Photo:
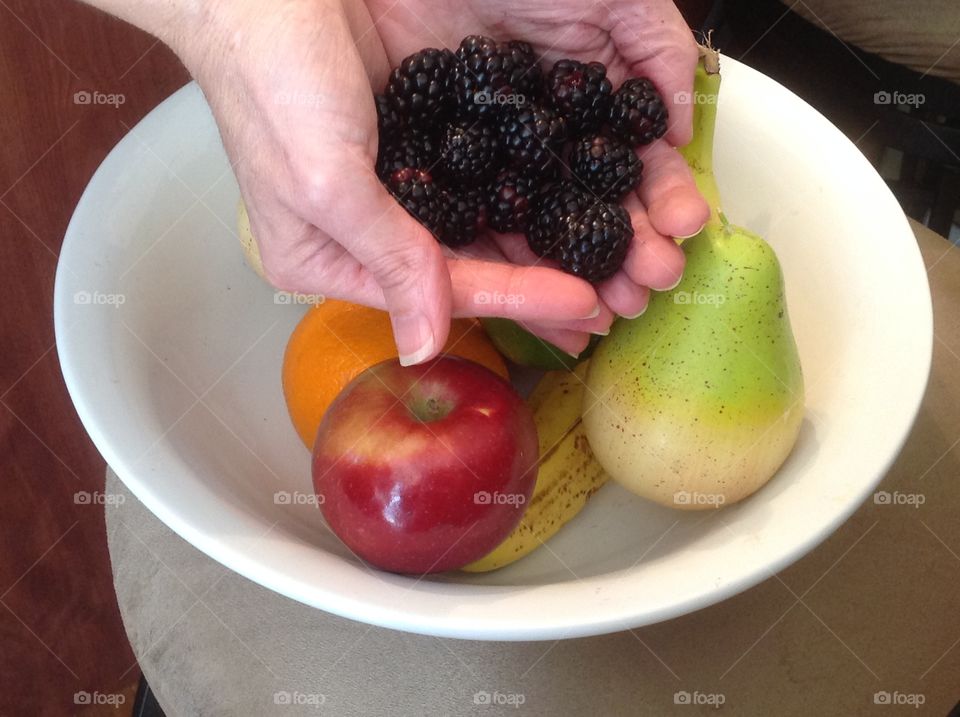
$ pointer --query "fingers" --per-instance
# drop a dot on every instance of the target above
(600, 324)
(401, 255)
(624, 296)
(571, 342)
(534, 293)
(652, 260)
(672, 73)
(669, 193)
(656, 43)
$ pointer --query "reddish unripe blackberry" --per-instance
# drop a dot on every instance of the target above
(416, 191)
(509, 201)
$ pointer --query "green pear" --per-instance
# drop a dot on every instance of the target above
(697, 403)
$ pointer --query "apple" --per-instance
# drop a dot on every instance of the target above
(425, 468)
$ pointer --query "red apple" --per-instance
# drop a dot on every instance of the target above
(425, 468)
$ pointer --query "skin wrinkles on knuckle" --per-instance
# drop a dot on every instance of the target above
(280, 277)
(403, 268)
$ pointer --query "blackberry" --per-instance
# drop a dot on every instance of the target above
(418, 88)
(533, 138)
(580, 93)
(637, 112)
(468, 152)
(416, 191)
(412, 148)
(554, 207)
(509, 201)
(607, 167)
(594, 246)
(526, 77)
(483, 76)
(389, 121)
(463, 217)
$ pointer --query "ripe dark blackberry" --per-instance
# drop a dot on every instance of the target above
(418, 87)
(468, 152)
(416, 191)
(463, 216)
(411, 148)
(482, 77)
(555, 205)
(389, 121)
(533, 138)
(608, 167)
(594, 246)
(526, 78)
(580, 93)
(509, 201)
(637, 112)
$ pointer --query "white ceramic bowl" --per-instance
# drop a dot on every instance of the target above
(171, 349)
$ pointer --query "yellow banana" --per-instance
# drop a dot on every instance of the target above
(568, 473)
(250, 251)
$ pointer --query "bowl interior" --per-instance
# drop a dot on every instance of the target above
(171, 348)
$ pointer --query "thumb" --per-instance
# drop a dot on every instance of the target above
(655, 42)
(400, 254)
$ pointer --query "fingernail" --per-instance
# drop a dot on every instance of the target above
(601, 333)
(593, 314)
(636, 316)
(675, 284)
(688, 236)
(415, 341)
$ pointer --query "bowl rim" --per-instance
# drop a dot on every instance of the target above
(549, 624)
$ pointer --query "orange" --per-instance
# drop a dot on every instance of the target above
(336, 340)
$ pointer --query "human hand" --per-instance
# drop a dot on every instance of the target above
(647, 38)
(290, 84)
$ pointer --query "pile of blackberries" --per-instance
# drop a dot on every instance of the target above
(480, 137)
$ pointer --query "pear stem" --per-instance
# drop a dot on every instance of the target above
(699, 152)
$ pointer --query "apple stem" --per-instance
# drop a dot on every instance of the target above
(429, 409)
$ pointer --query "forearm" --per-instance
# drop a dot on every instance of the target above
(168, 20)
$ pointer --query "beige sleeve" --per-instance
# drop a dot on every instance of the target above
(921, 34)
